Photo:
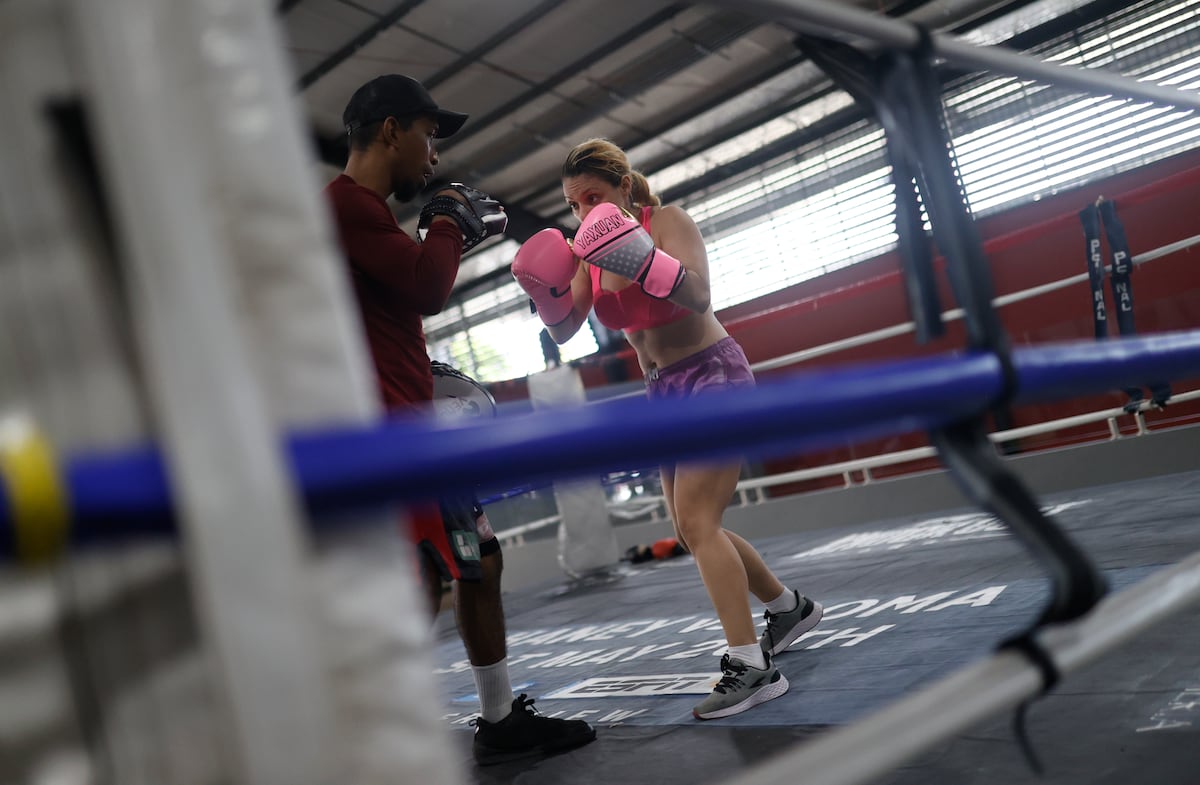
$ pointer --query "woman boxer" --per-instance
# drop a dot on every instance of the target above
(645, 271)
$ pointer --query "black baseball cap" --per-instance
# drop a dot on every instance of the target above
(394, 95)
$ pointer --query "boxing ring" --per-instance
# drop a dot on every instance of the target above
(323, 458)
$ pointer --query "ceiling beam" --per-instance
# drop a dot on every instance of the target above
(502, 36)
(634, 78)
(749, 82)
(723, 27)
(642, 28)
(538, 89)
(541, 88)
(1048, 30)
(365, 37)
(682, 152)
(1027, 39)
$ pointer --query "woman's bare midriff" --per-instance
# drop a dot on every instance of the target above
(662, 346)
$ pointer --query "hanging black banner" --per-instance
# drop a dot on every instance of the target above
(1092, 217)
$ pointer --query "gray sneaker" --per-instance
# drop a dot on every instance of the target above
(784, 628)
(741, 687)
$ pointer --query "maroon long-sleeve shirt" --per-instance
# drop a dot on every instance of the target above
(397, 281)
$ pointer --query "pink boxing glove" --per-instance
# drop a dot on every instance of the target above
(613, 240)
(544, 267)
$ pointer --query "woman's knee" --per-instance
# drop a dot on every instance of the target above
(679, 536)
(696, 531)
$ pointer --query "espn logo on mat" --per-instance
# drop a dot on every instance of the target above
(638, 686)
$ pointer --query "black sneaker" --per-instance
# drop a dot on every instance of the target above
(526, 733)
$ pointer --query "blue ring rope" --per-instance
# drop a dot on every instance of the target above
(127, 492)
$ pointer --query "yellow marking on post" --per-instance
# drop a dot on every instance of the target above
(37, 499)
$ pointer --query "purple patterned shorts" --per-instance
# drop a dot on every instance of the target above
(721, 366)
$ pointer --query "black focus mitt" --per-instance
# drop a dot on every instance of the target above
(480, 218)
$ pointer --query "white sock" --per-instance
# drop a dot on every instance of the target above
(495, 690)
(751, 654)
(786, 602)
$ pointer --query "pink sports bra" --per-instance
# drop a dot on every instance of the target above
(631, 309)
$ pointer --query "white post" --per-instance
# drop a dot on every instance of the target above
(64, 367)
(298, 312)
(201, 149)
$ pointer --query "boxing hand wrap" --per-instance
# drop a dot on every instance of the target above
(544, 266)
(613, 240)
